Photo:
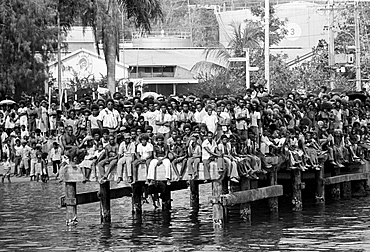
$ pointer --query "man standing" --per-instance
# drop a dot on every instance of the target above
(110, 118)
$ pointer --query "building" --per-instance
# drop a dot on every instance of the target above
(159, 62)
(83, 66)
(165, 71)
(307, 23)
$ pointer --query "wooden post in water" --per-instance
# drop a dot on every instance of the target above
(335, 188)
(346, 189)
(297, 190)
(273, 202)
(194, 194)
(71, 203)
(166, 198)
(358, 188)
(137, 192)
(320, 186)
(104, 195)
(217, 207)
(245, 208)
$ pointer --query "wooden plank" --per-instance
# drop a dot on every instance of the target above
(345, 177)
(91, 197)
(252, 195)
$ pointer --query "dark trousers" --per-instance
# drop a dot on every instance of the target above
(56, 165)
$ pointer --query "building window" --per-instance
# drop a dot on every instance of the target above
(152, 72)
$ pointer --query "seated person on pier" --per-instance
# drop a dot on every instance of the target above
(126, 154)
(111, 158)
(178, 156)
(88, 163)
(194, 156)
(224, 149)
(312, 150)
(160, 157)
(69, 142)
(144, 154)
(208, 154)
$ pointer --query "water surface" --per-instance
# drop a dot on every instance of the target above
(31, 220)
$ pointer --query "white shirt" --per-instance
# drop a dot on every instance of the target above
(110, 118)
(55, 154)
(150, 117)
(94, 121)
(211, 122)
(144, 150)
(255, 116)
(241, 112)
(163, 118)
(211, 146)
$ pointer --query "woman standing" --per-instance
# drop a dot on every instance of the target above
(44, 122)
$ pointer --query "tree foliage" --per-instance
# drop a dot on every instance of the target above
(27, 39)
(201, 22)
(249, 34)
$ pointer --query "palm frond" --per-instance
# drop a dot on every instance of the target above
(142, 12)
(208, 67)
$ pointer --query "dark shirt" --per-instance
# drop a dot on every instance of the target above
(160, 150)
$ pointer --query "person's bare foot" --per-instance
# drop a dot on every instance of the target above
(119, 179)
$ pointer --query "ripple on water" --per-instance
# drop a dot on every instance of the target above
(29, 212)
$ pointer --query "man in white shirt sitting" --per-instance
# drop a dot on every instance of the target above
(208, 152)
(144, 154)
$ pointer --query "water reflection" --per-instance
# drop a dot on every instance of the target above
(30, 220)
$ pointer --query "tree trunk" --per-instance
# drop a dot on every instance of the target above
(110, 45)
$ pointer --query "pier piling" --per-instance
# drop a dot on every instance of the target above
(194, 194)
(297, 190)
(166, 198)
(245, 208)
(137, 192)
(71, 203)
(320, 186)
(273, 202)
(219, 217)
(104, 194)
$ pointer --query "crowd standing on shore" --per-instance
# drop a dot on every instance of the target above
(241, 134)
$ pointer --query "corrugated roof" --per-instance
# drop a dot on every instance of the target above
(185, 58)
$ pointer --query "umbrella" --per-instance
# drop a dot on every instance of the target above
(357, 95)
(7, 102)
(150, 94)
(327, 105)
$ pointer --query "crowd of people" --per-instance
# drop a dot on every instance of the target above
(244, 135)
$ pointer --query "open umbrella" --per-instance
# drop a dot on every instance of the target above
(7, 102)
(356, 95)
(150, 94)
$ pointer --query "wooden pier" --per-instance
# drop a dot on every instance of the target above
(329, 182)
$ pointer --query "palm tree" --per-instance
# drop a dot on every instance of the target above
(217, 59)
(103, 16)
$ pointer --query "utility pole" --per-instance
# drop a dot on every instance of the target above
(331, 43)
(247, 73)
(60, 91)
(248, 68)
(358, 48)
(190, 24)
(267, 44)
